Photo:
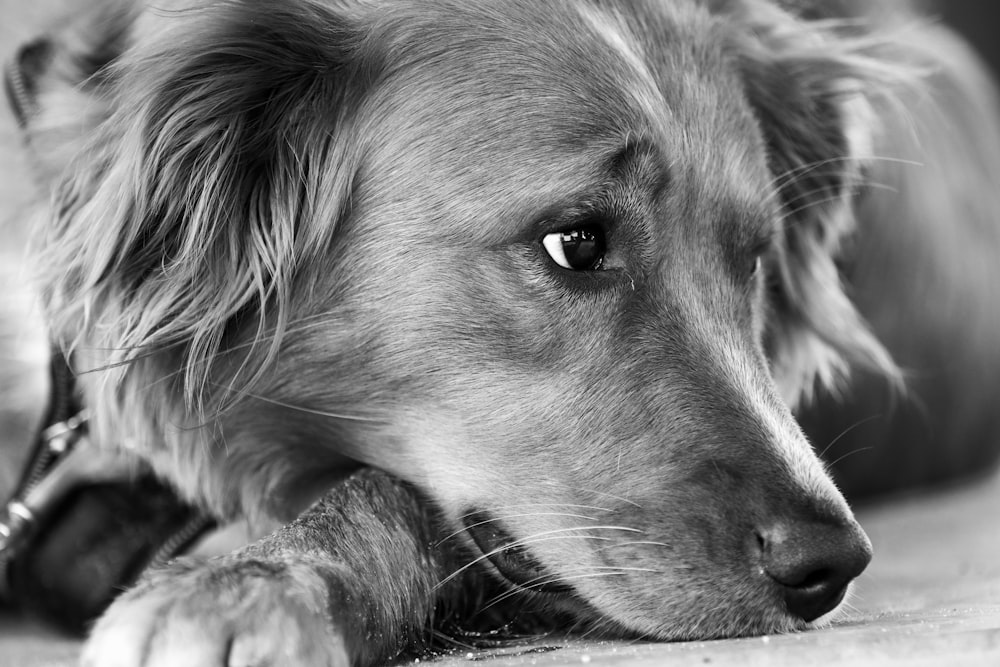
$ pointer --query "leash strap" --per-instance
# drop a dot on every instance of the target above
(20, 75)
(83, 523)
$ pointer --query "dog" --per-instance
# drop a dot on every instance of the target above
(515, 297)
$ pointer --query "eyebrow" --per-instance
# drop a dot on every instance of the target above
(635, 164)
(641, 159)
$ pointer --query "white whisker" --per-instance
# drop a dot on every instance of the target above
(538, 582)
(510, 516)
(311, 411)
(629, 544)
(597, 493)
(557, 534)
(494, 508)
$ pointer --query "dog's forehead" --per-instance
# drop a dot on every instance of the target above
(564, 66)
(536, 97)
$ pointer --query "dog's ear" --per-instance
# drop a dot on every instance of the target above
(811, 89)
(220, 172)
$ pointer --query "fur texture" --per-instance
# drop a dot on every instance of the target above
(292, 239)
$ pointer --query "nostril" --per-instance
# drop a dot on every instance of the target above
(813, 563)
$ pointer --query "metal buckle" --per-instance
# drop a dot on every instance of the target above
(64, 459)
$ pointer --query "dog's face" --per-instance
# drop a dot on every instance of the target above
(561, 265)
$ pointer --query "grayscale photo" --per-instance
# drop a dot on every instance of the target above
(625, 333)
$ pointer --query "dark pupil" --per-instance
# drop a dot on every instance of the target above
(584, 249)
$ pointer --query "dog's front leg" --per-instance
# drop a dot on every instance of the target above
(351, 582)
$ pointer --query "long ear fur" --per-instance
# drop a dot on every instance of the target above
(221, 172)
(811, 88)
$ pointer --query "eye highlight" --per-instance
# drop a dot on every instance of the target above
(580, 249)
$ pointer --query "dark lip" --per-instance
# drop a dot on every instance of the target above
(513, 561)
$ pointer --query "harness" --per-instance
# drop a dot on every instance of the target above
(83, 522)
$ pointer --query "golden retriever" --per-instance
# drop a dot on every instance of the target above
(502, 307)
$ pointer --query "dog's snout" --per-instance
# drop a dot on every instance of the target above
(813, 563)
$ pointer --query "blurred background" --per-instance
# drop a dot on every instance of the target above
(978, 20)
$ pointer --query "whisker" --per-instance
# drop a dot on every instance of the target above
(875, 185)
(789, 214)
(311, 411)
(595, 628)
(629, 544)
(846, 431)
(518, 505)
(510, 516)
(534, 539)
(806, 194)
(801, 170)
(856, 596)
(445, 638)
(853, 451)
(789, 206)
(850, 607)
(538, 582)
(549, 578)
(597, 493)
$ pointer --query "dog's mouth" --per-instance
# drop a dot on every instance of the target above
(510, 557)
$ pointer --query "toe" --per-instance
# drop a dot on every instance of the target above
(188, 641)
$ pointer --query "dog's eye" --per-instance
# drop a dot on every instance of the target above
(755, 266)
(580, 249)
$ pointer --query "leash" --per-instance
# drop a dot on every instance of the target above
(19, 79)
(83, 523)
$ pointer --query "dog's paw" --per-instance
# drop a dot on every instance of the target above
(220, 614)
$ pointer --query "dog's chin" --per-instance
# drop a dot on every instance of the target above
(835, 614)
(701, 618)
(646, 609)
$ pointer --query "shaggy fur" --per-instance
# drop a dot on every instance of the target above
(291, 239)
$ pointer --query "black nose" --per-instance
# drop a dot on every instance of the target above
(813, 563)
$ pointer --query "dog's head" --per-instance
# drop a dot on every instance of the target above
(562, 265)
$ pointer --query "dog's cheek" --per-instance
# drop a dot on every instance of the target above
(634, 470)
(491, 371)
(590, 495)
